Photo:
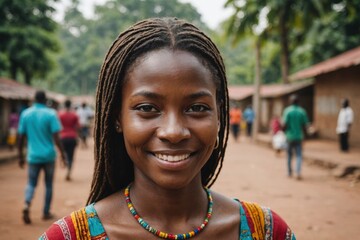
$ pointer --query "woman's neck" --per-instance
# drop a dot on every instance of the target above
(169, 205)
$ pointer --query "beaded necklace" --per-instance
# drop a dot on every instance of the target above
(165, 235)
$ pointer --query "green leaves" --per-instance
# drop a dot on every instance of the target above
(86, 41)
(306, 31)
(27, 35)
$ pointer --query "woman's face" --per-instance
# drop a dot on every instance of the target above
(169, 117)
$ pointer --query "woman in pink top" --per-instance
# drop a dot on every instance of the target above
(69, 133)
(13, 125)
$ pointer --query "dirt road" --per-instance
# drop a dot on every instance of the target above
(318, 207)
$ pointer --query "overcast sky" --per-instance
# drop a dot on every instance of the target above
(212, 11)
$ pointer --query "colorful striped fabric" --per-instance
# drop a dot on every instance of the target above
(256, 223)
(83, 224)
(260, 223)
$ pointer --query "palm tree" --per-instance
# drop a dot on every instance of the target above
(246, 22)
(283, 16)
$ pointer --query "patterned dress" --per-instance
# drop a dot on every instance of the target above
(256, 223)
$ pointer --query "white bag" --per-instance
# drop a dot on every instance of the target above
(279, 141)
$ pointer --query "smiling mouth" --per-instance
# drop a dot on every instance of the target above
(172, 158)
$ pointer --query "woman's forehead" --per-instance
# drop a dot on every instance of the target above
(170, 63)
(169, 72)
(165, 55)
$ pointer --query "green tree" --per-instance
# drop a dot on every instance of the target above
(247, 21)
(282, 15)
(239, 60)
(27, 34)
(244, 23)
(338, 30)
(85, 41)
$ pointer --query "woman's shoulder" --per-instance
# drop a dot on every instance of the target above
(81, 224)
(61, 229)
(255, 218)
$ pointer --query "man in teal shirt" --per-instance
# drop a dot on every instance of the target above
(295, 121)
(40, 125)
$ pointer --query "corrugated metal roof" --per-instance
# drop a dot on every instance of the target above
(88, 99)
(276, 90)
(344, 60)
(240, 92)
(58, 97)
(271, 90)
(10, 89)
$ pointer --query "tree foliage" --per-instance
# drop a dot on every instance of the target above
(282, 15)
(27, 33)
(30, 42)
(85, 41)
(305, 31)
(336, 32)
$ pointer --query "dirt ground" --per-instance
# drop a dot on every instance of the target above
(318, 207)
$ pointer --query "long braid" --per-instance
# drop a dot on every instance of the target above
(113, 167)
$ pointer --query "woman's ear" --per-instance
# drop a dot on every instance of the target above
(118, 127)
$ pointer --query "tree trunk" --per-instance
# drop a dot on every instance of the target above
(28, 77)
(285, 63)
(257, 84)
(13, 71)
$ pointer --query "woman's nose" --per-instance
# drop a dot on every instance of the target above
(173, 129)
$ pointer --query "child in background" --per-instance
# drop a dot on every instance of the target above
(13, 125)
(278, 136)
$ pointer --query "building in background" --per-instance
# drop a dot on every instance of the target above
(335, 79)
(273, 99)
(15, 95)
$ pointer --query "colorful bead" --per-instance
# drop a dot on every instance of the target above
(161, 234)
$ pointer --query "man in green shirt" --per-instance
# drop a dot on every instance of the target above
(295, 121)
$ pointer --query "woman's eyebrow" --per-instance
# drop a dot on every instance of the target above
(148, 94)
(155, 95)
(200, 94)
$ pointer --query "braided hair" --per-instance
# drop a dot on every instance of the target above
(114, 169)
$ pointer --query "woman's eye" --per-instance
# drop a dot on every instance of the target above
(198, 108)
(146, 108)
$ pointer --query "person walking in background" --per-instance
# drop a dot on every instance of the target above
(278, 136)
(13, 125)
(40, 125)
(70, 123)
(275, 125)
(295, 121)
(85, 114)
(249, 116)
(235, 120)
(345, 119)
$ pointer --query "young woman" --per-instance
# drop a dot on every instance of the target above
(161, 130)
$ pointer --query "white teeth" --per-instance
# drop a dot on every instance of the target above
(172, 158)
